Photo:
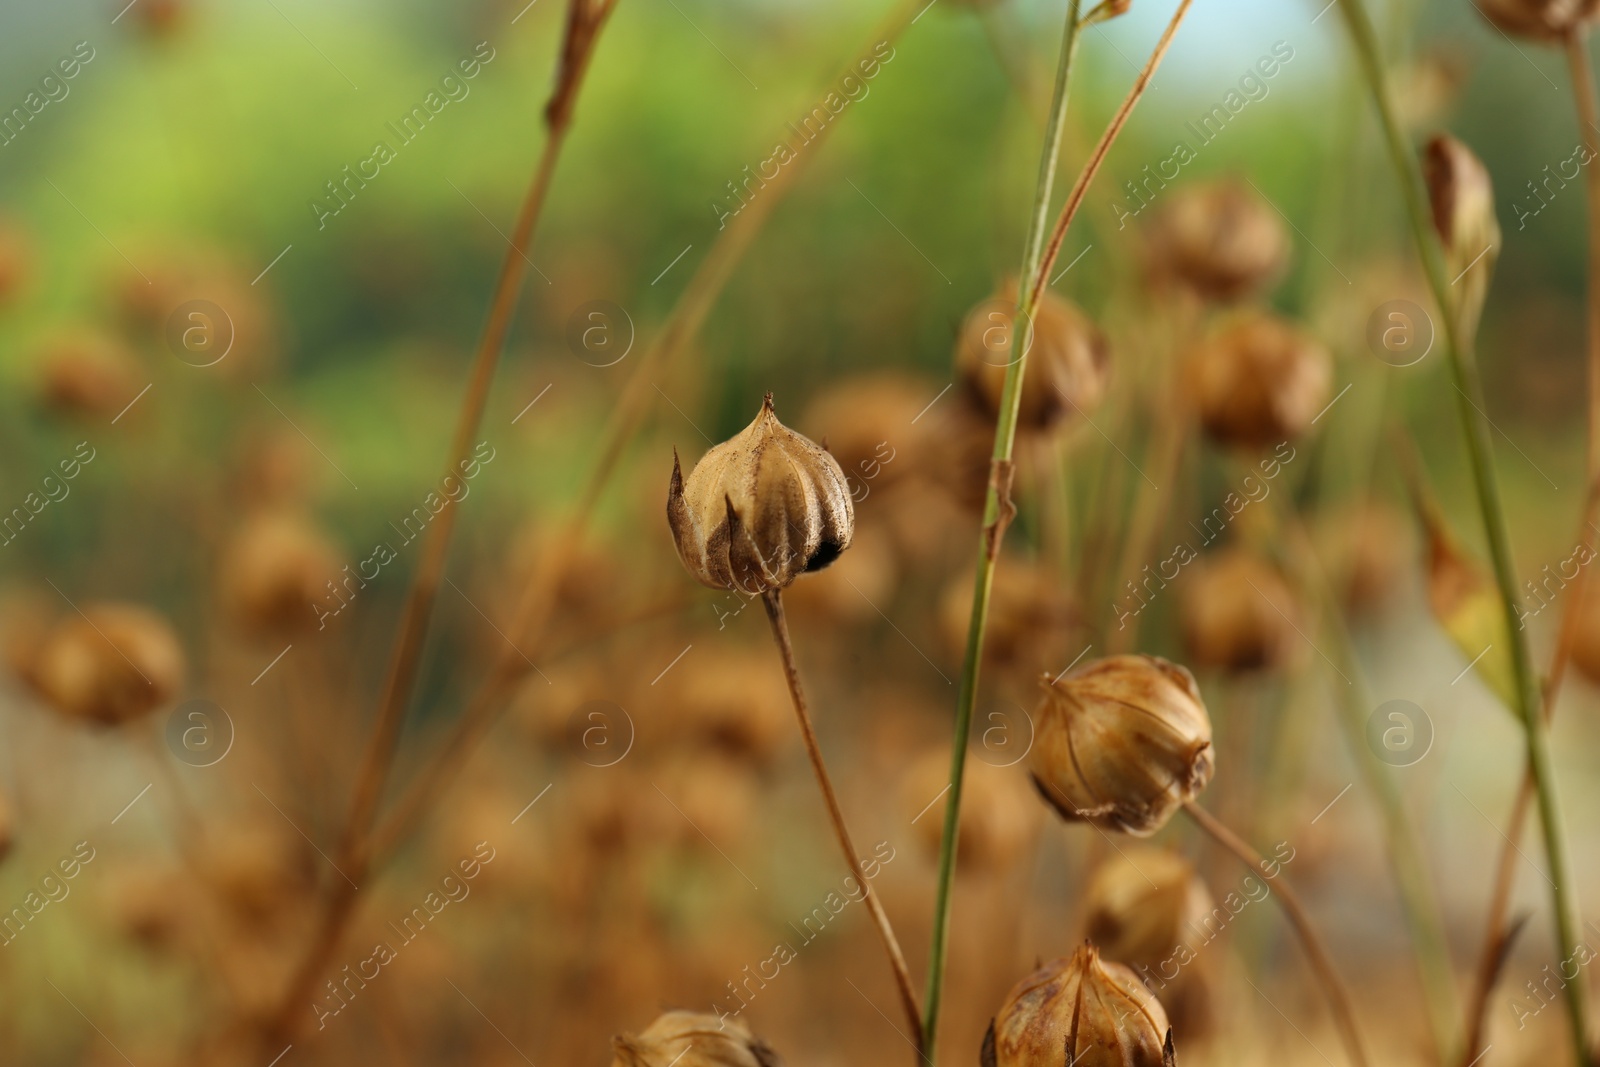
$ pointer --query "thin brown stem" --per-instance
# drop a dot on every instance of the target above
(1344, 1015)
(773, 601)
(1489, 956)
(584, 21)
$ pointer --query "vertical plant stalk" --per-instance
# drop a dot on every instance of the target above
(1495, 930)
(1344, 1015)
(585, 19)
(1476, 431)
(1037, 259)
(538, 597)
(772, 600)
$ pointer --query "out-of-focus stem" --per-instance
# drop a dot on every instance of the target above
(1475, 428)
(1344, 1015)
(773, 601)
(1583, 91)
(585, 19)
(1039, 255)
(538, 596)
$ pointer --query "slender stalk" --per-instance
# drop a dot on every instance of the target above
(1344, 1015)
(538, 597)
(1037, 259)
(585, 18)
(772, 599)
(1583, 91)
(1475, 428)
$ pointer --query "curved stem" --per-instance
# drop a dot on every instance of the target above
(1038, 257)
(585, 18)
(772, 599)
(1344, 1015)
(1475, 428)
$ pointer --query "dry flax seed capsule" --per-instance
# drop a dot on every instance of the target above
(1069, 360)
(111, 664)
(1259, 381)
(760, 509)
(1238, 613)
(1140, 904)
(275, 571)
(686, 1039)
(1083, 1011)
(1220, 239)
(1122, 743)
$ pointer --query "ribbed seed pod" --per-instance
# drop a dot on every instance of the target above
(1220, 239)
(761, 509)
(110, 664)
(1259, 382)
(1238, 613)
(685, 1039)
(1080, 1011)
(1122, 743)
(1068, 360)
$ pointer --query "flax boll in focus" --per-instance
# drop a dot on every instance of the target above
(1259, 381)
(760, 509)
(685, 1039)
(1068, 360)
(1083, 1011)
(1122, 743)
(111, 664)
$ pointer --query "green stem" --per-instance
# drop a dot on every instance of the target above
(994, 527)
(1476, 430)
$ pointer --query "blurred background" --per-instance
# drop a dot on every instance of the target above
(650, 814)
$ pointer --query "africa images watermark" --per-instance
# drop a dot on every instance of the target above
(343, 189)
(53, 89)
(55, 490)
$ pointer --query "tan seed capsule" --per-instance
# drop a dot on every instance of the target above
(275, 572)
(1462, 198)
(1082, 1011)
(1140, 904)
(1122, 743)
(1220, 239)
(685, 1039)
(1586, 627)
(1068, 359)
(761, 509)
(1259, 382)
(1238, 613)
(110, 664)
(1544, 20)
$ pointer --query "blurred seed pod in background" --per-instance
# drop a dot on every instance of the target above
(1140, 903)
(1259, 381)
(1462, 197)
(26, 619)
(1220, 239)
(732, 700)
(151, 904)
(999, 819)
(1122, 743)
(854, 588)
(274, 572)
(273, 469)
(88, 375)
(760, 509)
(1079, 1010)
(16, 261)
(161, 18)
(111, 664)
(1031, 617)
(1370, 552)
(871, 425)
(685, 1039)
(257, 870)
(1542, 20)
(1465, 603)
(1427, 89)
(1238, 613)
(1068, 360)
(1586, 632)
(961, 453)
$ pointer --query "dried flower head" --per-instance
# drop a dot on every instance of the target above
(1238, 613)
(1462, 197)
(1122, 742)
(1220, 239)
(1544, 20)
(1081, 1011)
(1068, 359)
(761, 509)
(277, 567)
(110, 664)
(1259, 381)
(1140, 903)
(686, 1039)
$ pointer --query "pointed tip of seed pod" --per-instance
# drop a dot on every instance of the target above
(767, 406)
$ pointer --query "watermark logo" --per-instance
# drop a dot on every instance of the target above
(600, 333)
(200, 733)
(1400, 333)
(600, 733)
(996, 343)
(1399, 733)
(200, 333)
(1006, 736)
